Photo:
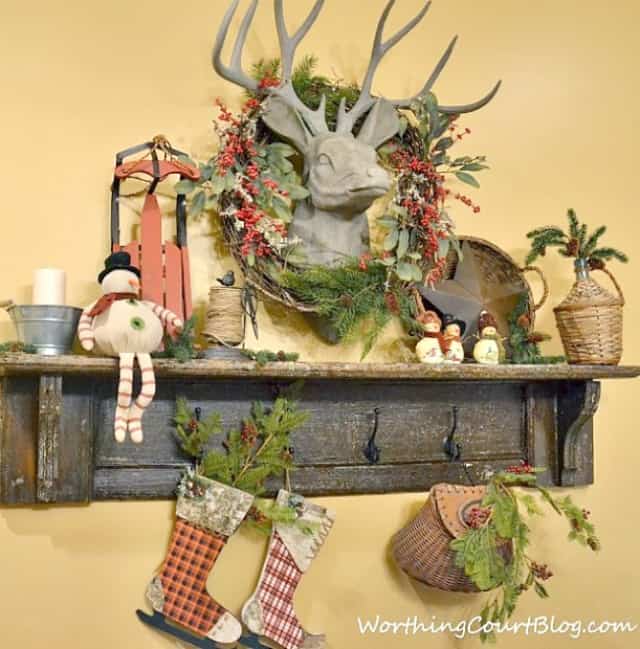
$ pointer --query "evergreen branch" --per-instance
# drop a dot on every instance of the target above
(606, 254)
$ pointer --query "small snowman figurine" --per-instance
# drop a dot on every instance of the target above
(453, 331)
(489, 349)
(120, 324)
(430, 348)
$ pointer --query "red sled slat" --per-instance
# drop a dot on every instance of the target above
(151, 244)
(173, 279)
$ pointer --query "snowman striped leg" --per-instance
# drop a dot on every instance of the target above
(147, 392)
(125, 389)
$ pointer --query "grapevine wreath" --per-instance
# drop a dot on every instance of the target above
(254, 180)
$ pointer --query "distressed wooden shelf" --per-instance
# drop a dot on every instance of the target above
(56, 424)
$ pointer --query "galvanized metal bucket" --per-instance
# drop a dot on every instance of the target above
(50, 329)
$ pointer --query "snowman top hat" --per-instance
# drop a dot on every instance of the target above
(117, 261)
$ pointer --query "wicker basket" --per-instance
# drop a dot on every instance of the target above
(590, 321)
(422, 548)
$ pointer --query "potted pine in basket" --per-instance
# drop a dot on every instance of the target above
(590, 317)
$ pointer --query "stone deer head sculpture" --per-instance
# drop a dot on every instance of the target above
(341, 169)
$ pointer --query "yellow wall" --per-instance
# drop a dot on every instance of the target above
(81, 80)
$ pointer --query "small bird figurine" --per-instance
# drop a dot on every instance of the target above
(228, 279)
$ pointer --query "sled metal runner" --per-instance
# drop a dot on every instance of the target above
(159, 622)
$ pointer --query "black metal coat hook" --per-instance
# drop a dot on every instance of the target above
(371, 451)
(453, 449)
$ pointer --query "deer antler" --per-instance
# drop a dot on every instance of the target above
(347, 119)
(315, 121)
(234, 72)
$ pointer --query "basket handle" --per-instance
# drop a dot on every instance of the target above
(614, 282)
(545, 284)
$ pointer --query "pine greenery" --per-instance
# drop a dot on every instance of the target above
(524, 343)
(575, 242)
(353, 299)
(181, 347)
(264, 356)
(311, 87)
(260, 450)
(16, 347)
(481, 551)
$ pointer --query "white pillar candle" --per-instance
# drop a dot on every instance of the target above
(49, 286)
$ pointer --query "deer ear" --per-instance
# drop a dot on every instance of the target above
(286, 122)
(380, 125)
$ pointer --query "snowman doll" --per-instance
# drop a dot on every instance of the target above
(489, 349)
(430, 348)
(453, 331)
(122, 325)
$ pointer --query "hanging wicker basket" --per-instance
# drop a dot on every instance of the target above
(590, 321)
(422, 549)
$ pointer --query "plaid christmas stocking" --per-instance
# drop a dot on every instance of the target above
(269, 612)
(207, 514)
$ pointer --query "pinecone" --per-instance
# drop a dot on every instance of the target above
(391, 301)
(537, 337)
(524, 321)
(573, 247)
(596, 264)
(346, 300)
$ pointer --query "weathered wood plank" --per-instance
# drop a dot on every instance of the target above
(211, 369)
(144, 483)
(19, 440)
(414, 419)
(75, 444)
(49, 412)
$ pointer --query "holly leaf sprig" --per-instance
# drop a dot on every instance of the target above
(494, 552)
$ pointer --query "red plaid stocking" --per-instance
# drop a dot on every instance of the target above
(269, 612)
(192, 555)
(207, 514)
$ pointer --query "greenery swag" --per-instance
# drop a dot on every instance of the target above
(259, 450)
(500, 520)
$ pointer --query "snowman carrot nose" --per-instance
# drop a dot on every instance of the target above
(134, 284)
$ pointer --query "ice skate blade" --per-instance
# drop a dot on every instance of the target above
(158, 622)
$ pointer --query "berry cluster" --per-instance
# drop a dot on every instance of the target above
(255, 515)
(523, 467)
(541, 571)
(249, 433)
(476, 517)
(194, 488)
(238, 156)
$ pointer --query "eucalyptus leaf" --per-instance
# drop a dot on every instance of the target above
(467, 178)
(197, 203)
(474, 166)
(387, 222)
(297, 192)
(403, 243)
(444, 144)
(281, 209)
(281, 149)
(391, 240)
(185, 186)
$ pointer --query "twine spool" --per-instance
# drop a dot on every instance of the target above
(225, 316)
